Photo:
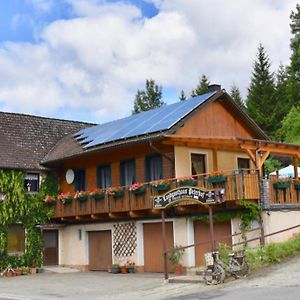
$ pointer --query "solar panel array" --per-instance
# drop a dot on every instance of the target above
(156, 120)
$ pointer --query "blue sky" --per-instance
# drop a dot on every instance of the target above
(85, 59)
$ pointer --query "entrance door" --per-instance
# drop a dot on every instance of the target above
(153, 246)
(202, 233)
(50, 253)
(100, 250)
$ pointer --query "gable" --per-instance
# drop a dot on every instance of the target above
(215, 120)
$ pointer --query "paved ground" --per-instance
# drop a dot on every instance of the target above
(278, 282)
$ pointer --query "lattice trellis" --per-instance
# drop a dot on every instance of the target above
(124, 239)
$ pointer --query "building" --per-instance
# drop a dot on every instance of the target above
(127, 159)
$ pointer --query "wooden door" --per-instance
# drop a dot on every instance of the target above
(202, 233)
(50, 253)
(100, 250)
(153, 246)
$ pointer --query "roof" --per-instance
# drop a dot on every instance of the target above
(26, 139)
(144, 123)
(142, 127)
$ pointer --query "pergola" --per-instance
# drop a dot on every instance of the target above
(257, 150)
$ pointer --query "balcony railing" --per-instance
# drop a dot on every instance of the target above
(284, 191)
(238, 185)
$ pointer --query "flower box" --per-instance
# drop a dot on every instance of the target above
(187, 182)
(137, 188)
(216, 179)
(65, 198)
(297, 185)
(97, 194)
(161, 185)
(282, 185)
(116, 192)
(50, 201)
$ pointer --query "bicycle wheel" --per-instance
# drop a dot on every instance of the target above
(242, 272)
(217, 276)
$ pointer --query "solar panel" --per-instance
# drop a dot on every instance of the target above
(156, 120)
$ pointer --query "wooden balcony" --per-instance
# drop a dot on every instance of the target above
(238, 185)
(284, 192)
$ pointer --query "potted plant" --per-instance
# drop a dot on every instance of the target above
(81, 196)
(65, 198)
(130, 266)
(116, 192)
(97, 194)
(160, 185)
(216, 178)
(123, 269)
(282, 184)
(137, 188)
(175, 257)
(186, 181)
(115, 268)
(50, 201)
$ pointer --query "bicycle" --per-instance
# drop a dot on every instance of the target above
(217, 271)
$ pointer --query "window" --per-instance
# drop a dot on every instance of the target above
(103, 176)
(16, 239)
(31, 182)
(127, 172)
(198, 163)
(79, 180)
(243, 163)
(154, 168)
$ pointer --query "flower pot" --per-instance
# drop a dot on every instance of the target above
(118, 194)
(178, 270)
(123, 269)
(282, 185)
(66, 200)
(115, 270)
(32, 271)
(187, 183)
(131, 270)
(18, 272)
(10, 273)
(214, 180)
(82, 198)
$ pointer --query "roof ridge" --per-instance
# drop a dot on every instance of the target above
(47, 118)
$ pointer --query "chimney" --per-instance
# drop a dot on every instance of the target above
(214, 88)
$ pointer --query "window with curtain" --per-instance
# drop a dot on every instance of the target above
(103, 176)
(79, 180)
(154, 167)
(198, 163)
(16, 239)
(243, 163)
(31, 182)
(127, 172)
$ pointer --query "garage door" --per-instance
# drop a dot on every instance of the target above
(100, 250)
(153, 246)
(50, 253)
(202, 233)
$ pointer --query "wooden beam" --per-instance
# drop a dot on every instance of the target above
(215, 160)
(295, 163)
(251, 155)
(95, 217)
(263, 158)
(118, 215)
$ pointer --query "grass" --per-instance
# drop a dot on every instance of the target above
(264, 256)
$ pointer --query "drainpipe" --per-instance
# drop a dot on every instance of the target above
(165, 156)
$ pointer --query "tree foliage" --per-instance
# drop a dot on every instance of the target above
(236, 96)
(261, 93)
(149, 98)
(291, 126)
(202, 87)
(182, 96)
(295, 41)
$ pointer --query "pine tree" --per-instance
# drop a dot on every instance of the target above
(148, 99)
(260, 100)
(236, 96)
(295, 41)
(202, 87)
(182, 96)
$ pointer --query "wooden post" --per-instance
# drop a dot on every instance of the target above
(164, 244)
(211, 228)
(295, 163)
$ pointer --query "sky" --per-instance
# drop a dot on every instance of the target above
(85, 59)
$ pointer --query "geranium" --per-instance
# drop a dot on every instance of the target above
(97, 194)
(50, 200)
(159, 183)
(115, 191)
(81, 196)
(136, 186)
(65, 197)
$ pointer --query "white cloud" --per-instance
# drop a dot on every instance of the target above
(41, 5)
(96, 61)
